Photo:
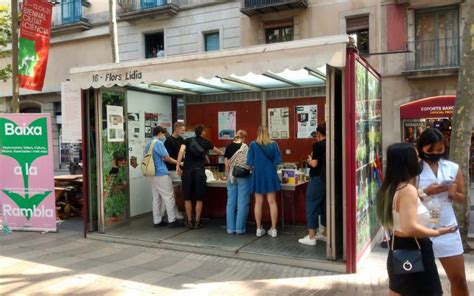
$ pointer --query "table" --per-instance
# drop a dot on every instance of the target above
(77, 179)
(284, 187)
(64, 185)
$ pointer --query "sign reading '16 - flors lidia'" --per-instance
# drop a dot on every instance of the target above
(26, 176)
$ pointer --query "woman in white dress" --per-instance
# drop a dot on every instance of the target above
(440, 184)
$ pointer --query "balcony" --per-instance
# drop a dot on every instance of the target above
(432, 57)
(70, 17)
(131, 10)
(254, 7)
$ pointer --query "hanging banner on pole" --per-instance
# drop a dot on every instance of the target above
(35, 32)
(27, 175)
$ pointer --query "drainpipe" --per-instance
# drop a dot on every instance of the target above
(263, 105)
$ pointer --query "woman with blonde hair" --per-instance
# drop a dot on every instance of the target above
(264, 156)
(238, 184)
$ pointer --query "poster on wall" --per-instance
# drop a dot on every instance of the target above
(115, 124)
(151, 121)
(135, 143)
(227, 124)
(278, 123)
(306, 121)
(71, 128)
(27, 175)
(412, 129)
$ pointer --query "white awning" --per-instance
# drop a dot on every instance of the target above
(266, 66)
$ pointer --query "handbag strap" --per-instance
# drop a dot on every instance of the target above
(393, 241)
(265, 152)
(152, 144)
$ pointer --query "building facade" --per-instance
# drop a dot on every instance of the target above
(414, 44)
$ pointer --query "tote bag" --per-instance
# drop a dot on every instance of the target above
(148, 165)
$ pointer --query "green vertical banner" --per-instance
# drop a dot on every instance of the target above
(35, 33)
(27, 175)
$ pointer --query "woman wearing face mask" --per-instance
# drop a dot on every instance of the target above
(440, 184)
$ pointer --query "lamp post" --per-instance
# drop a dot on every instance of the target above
(15, 87)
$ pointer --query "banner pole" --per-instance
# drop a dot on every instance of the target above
(15, 87)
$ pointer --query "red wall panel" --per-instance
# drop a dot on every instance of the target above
(249, 119)
(396, 31)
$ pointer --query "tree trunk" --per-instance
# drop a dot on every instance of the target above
(113, 30)
(462, 120)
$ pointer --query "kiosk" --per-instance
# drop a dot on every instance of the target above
(291, 87)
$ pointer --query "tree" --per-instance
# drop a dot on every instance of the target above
(462, 119)
(5, 39)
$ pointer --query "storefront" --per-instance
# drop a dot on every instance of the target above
(432, 112)
(290, 87)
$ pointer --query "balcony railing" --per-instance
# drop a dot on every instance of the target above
(133, 9)
(433, 54)
(252, 7)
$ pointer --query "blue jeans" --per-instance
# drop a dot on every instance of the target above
(316, 203)
(238, 204)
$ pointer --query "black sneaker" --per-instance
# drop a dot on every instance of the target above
(161, 224)
(174, 224)
(189, 224)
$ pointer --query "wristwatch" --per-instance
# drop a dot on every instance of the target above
(422, 194)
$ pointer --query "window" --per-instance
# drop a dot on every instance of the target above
(359, 26)
(154, 45)
(144, 4)
(436, 38)
(71, 11)
(279, 34)
(211, 41)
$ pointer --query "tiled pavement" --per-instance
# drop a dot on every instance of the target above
(65, 263)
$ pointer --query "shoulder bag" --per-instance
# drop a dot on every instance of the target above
(239, 171)
(148, 165)
(406, 261)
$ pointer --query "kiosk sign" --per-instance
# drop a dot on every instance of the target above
(26, 176)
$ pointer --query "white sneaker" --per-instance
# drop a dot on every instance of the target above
(260, 232)
(307, 241)
(272, 232)
(321, 237)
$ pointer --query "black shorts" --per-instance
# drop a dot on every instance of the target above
(194, 184)
(419, 283)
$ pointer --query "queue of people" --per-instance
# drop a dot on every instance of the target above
(249, 168)
(415, 203)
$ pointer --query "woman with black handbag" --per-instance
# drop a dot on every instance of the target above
(411, 264)
(238, 184)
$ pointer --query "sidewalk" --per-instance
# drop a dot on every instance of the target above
(65, 263)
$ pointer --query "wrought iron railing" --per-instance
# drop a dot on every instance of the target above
(71, 11)
(264, 3)
(433, 54)
(134, 5)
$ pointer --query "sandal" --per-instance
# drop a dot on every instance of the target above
(197, 225)
(189, 224)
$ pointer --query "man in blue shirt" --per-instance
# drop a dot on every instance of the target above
(161, 185)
